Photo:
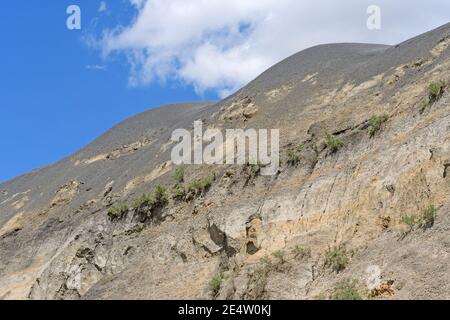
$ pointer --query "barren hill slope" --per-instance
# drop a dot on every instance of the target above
(370, 203)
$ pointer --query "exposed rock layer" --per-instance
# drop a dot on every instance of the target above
(267, 237)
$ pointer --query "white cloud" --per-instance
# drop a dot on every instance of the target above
(222, 44)
(96, 67)
(103, 6)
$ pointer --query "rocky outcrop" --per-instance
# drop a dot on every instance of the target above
(362, 193)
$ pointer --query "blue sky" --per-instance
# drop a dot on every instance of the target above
(60, 88)
(51, 103)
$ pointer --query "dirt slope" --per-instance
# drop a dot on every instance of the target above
(326, 216)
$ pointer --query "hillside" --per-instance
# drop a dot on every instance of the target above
(377, 203)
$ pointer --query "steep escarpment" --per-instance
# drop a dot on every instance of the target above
(360, 205)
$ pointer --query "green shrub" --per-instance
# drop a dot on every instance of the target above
(265, 261)
(178, 192)
(147, 202)
(256, 168)
(410, 221)
(336, 258)
(423, 105)
(143, 201)
(332, 143)
(216, 282)
(301, 252)
(428, 217)
(179, 175)
(435, 91)
(293, 158)
(160, 197)
(199, 186)
(118, 211)
(425, 221)
(279, 255)
(375, 123)
(346, 290)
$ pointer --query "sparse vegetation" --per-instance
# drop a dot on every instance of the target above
(410, 221)
(346, 289)
(423, 105)
(118, 211)
(425, 220)
(160, 196)
(216, 282)
(336, 258)
(179, 174)
(178, 192)
(279, 255)
(142, 205)
(265, 261)
(332, 143)
(142, 201)
(293, 158)
(182, 192)
(255, 168)
(375, 124)
(428, 217)
(436, 91)
(199, 186)
(293, 155)
(301, 252)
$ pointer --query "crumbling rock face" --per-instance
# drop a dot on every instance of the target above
(66, 193)
(336, 209)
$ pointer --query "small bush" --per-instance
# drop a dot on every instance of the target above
(332, 143)
(410, 221)
(160, 196)
(265, 261)
(216, 282)
(293, 158)
(336, 258)
(428, 217)
(279, 255)
(375, 123)
(143, 201)
(179, 175)
(423, 105)
(346, 290)
(179, 192)
(301, 252)
(256, 168)
(200, 186)
(425, 221)
(203, 184)
(118, 211)
(436, 91)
